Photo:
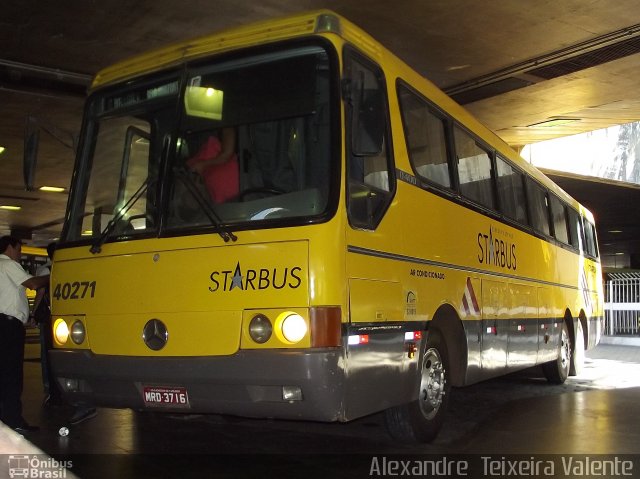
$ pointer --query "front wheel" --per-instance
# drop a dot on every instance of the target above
(556, 371)
(420, 420)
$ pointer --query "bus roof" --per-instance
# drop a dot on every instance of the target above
(225, 40)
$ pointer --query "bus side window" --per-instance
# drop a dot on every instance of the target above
(511, 192)
(591, 244)
(371, 178)
(575, 230)
(559, 217)
(474, 169)
(424, 132)
(538, 207)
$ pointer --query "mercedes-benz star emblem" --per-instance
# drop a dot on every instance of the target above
(155, 334)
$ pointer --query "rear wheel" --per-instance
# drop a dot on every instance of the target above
(420, 420)
(577, 358)
(556, 371)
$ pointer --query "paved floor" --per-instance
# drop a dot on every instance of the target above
(597, 413)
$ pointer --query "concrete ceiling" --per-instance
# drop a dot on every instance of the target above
(511, 63)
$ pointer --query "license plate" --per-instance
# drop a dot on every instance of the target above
(155, 396)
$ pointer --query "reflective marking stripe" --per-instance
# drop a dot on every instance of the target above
(469, 299)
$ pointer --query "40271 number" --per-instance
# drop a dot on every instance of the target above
(75, 290)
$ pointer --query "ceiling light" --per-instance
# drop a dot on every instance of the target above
(614, 231)
(52, 189)
(9, 207)
(457, 67)
(553, 122)
(1, 149)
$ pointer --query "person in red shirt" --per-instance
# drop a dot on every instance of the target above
(217, 163)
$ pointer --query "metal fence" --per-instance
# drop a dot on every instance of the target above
(622, 304)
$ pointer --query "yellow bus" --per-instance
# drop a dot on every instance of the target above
(366, 246)
(32, 258)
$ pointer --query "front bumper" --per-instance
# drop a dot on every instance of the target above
(248, 383)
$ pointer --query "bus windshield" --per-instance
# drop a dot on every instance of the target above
(227, 144)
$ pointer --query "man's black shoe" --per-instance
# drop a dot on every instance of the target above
(82, 414)
(52, 400)
(25, 428)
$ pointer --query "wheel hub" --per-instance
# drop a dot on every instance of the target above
(565, 349)
(432, 383)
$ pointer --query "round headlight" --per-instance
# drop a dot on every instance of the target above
(260, 328)
(77, 332)
(294, 328)
(60, 331)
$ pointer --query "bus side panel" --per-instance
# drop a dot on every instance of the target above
(495, 328)
(375, 301)
(522, 351)
(548, 329)
(377, 366)
(377, 374)
(473, 334)
(594, 309)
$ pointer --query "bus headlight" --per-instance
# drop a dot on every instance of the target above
(293, 327)
(260, 328)
(60, 332)
(78, 332)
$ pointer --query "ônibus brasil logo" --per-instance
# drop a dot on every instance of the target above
(37, 466)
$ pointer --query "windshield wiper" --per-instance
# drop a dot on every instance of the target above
(183, 175)
(96, 247)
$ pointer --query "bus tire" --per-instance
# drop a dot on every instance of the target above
(577, 358)
(556, 371)
(420, 420)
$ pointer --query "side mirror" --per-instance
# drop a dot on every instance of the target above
(30, 153)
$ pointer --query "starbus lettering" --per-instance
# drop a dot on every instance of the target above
(496, 251)
(255, 279)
